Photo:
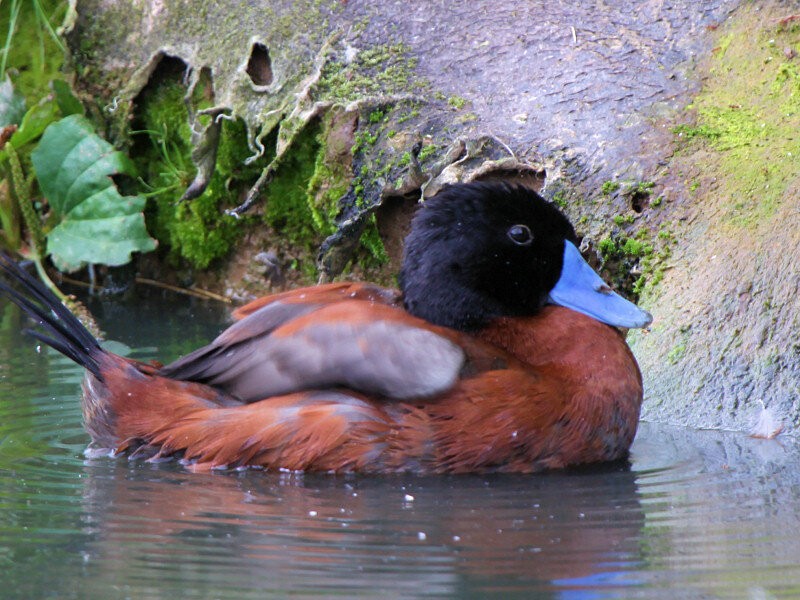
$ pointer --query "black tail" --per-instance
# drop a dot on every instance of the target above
(63, 330)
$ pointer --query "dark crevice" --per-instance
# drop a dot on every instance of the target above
(526, 177)
(166, 69)
(259, 66)
(393, 218)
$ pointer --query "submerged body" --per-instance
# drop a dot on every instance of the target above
(343, 377)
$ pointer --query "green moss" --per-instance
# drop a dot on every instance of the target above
(677, 352)
(372, 242)
(427, 151)
(303, 199)
(621, 253)
(377, 116)
(457, 102)
(560, 199)
(287, 205)
(329, 182)
(608, 248)
(192, 233)
(653, 260)
(723, 43)
(609, 187)
(748, 115)
(621, 220)
(363, 139)
(695, 131)
(379, 70)
(410, 114)
(324, 206)
(637, 248)
(643, 187)
(195, 231)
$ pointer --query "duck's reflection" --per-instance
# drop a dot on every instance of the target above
(318, 533)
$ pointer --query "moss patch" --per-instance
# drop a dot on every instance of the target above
(748, 115)
(634, 253)
(196, 231)
(380, 70)
(301, 202)
(286, 199)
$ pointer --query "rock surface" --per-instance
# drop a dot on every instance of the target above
(585, 96)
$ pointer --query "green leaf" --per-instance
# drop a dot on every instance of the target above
(96, 224)
(12, 104)
(34, 123)
(68, 104)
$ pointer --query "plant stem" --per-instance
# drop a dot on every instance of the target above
(12, 25)
(46, 278)
(22, 192)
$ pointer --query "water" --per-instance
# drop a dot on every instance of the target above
(695, 514)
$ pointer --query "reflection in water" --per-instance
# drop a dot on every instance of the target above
(322, 534)
(698, 515)
(729, 508)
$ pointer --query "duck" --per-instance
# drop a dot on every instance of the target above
(502, 351)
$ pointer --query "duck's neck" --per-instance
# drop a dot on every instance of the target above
(588, 359)
(455, 306)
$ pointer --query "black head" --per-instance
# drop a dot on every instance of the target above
(482, 250)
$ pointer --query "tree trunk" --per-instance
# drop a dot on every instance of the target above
(589, 102)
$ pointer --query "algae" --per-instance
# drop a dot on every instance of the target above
(287, 207)
(633, 254)
(285, 78)
(381, 70)
(729, 224)
(748, 114)
(609, 187)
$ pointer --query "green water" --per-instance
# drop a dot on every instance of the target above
(696, 514)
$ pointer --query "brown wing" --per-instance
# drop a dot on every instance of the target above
(321, 295)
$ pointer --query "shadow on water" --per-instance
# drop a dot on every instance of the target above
(705, 514)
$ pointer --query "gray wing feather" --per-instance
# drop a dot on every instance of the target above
(388, 358)
(198, 365)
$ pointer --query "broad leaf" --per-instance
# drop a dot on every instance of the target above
(96, 224)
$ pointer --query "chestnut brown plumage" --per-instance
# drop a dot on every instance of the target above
(470, 369)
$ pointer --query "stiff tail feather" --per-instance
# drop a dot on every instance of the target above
(60, 328)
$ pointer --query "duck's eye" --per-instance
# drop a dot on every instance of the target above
(520, 235)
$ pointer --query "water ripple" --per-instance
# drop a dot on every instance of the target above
(695, 515)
